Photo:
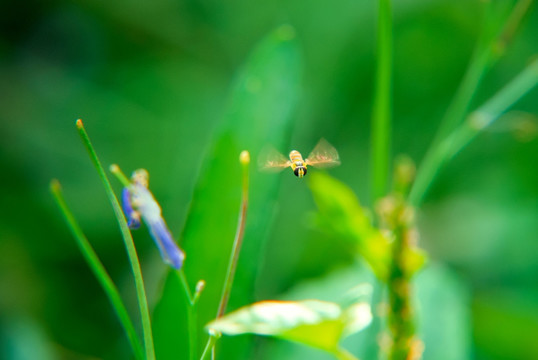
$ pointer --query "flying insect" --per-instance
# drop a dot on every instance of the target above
(324, 155)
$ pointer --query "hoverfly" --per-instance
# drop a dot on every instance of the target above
(324, 155)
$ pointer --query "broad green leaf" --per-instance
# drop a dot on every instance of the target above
(259, 112)
(341, 214)
(319, 324)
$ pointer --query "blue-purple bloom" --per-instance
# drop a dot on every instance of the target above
(133, 217)
(138, 202)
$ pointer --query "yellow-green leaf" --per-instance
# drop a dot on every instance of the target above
(319, 324)
(341, 214)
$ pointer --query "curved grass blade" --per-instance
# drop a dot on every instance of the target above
(479, 119)
(490, 47)
(129, 244)
(98, 270)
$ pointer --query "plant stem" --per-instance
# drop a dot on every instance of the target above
(98, 270)
(482, 117)
(191, 315)
(210, 346)
(129, 245)
(380, 151)
(401, 318)
(115, 169)
(244, 160)
(488, 50)
(238, 240)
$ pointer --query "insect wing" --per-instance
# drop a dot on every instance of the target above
(272, 161)
(324, 155)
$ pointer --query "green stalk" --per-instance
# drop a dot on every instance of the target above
(244, 160)
(116, 171)
(98, 270)
(381, 129)
(129, 245)
(234, 256)
(191, 315)
(488, 50)
(208, 353)
(492, 109)
(482, 117)
(401, 315)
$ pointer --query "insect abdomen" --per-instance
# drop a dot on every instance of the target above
(296, 156)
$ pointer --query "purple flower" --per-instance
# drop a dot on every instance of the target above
(133, 217)
(138, 202)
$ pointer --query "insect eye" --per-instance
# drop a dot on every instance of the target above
(304, 171)
(296, 171)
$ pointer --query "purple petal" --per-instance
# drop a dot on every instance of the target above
(132, 221)
(170, 251)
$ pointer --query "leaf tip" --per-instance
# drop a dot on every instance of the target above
(55, 185)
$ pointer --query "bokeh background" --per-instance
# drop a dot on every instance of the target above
(154, 81)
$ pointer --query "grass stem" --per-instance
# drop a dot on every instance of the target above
(381, 114)
(98, 270)
(191, 315)
(208, 353)
(479, 119)
(238, 240)
(488, 50)
(129, 245)
(244, 160)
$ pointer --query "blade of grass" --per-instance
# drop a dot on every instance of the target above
(98, 270)
(492, 109)
(479, 119)
(381, 129)
(129, 245)
(244, 160)
(488, 50)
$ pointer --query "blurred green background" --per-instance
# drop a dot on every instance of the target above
(153, 83)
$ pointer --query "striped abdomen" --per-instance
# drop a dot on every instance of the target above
(297, 163)
(296, 157)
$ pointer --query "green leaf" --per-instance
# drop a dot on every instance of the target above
(414, 259)
(259, 111)
(341, 214)
(330, 288)
(319, 324)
